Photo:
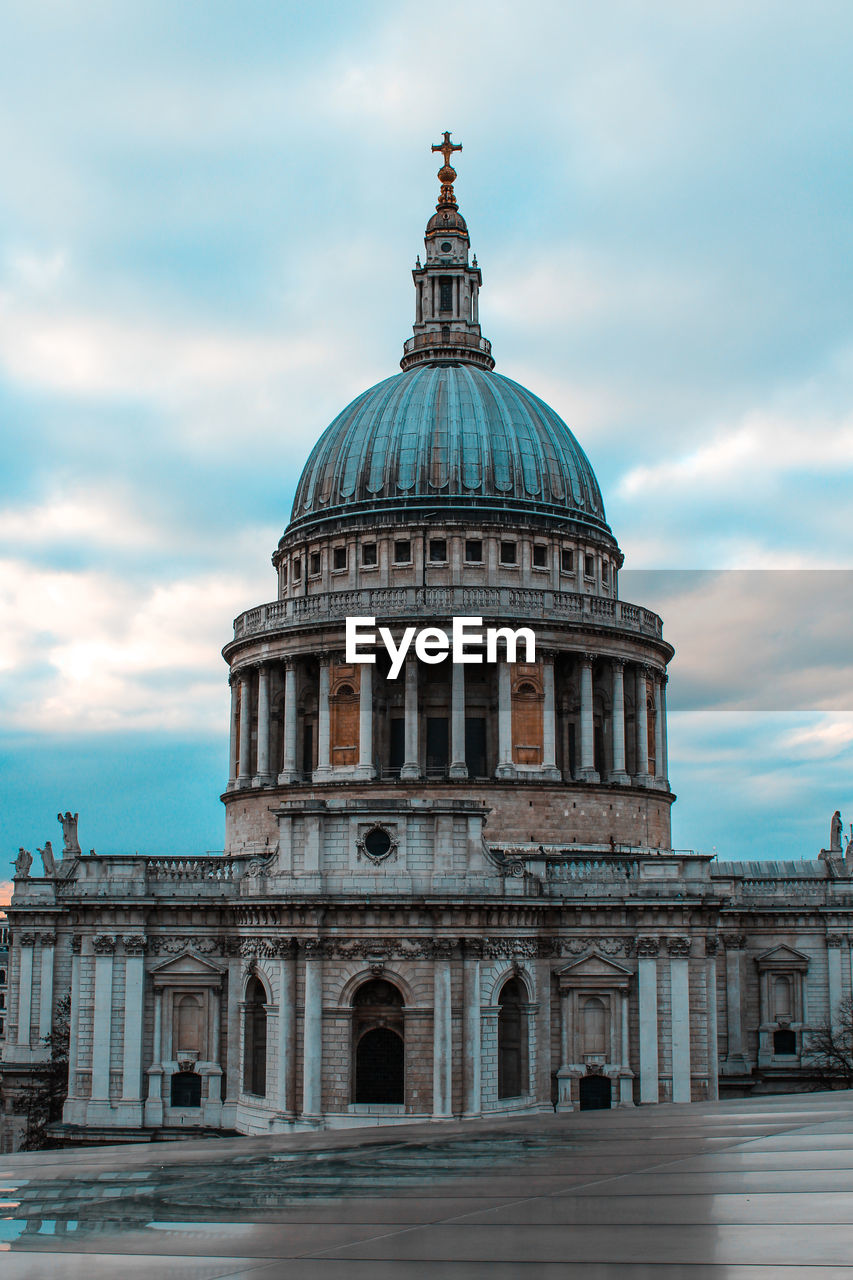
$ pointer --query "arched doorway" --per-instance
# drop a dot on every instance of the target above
(255, 1039)
(379, 1046)
(596, 1093)
(512, 1040)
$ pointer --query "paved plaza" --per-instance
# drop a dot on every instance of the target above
(754, 1189)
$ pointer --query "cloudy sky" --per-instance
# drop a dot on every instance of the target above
(208, 215)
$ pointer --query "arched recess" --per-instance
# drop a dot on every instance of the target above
(378, 1075)
(255, 1039)
(513, 1074)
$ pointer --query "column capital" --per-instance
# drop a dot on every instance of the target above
(678, 947)
(26, 939)
(835, 940)
(76, 943)
(134, 944)
(47, 939)
(324, 657)
(588, 658)
(647, 947)
(618, 664)
(712, 946)
(734, 941)
(103, 944)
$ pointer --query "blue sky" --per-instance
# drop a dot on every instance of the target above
(208, 215)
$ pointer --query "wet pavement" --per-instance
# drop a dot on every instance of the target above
(757, 1188)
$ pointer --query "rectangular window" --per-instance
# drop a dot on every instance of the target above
(474, 551)
(368, 553)
(508, 553)
(588, 567)
(540, 556)
(438, 550)
(340, 558)
(403, 551)
(605, 571)
(284, 575)
(567, 560)
(314, 564)
(297, 569)
(445, 293)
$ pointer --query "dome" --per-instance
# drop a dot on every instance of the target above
(448, 435)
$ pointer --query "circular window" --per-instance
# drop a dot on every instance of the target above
(377, 842)
(447, 247)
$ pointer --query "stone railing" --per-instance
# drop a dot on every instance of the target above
(184, 869)
(518, 604)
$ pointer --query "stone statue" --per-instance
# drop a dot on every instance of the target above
(835, 832)
(70, 843)
(48, 859)
(23, 862)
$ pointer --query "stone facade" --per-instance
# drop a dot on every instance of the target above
(449, 893)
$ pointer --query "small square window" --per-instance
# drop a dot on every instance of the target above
(508, 553)
(403, 551)
(368, 553)
(297, 569)
(314, 564)
(567, 560)
(474, 551)
(438, 550)
(540, 556)
(588, 567)
(340, 558)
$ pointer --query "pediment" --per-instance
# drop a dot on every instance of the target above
(595, 966)
(782, 957)
(189, 965)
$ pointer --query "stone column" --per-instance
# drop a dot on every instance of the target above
(458, 767)
(71, 1109)
(626, 1075)
(735, 1062)
(104, 946)
(471, 1030)
(679, 978)
(48, 951)
(215, 1085)
(312, 1037)
(549, 721)
(411, 765)
(564, 1072)
(442, 1075)
(153, 1109)
(642, 726)
(263, 777)
(244, 776)
(322, 771)
(647, 976)
(540, 1018)
(287, 1031)
(505, 768)
(833, 957)
(660, 775)
(233, 1063)
(618, 773)
(711, 1018)
(586, 772)
(663, 767)
(131, 1076)
(232, 741)
(26, 945)
(289, 771)
(365, 723)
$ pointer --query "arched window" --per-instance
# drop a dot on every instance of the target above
(378, 1043)
(188, 1024)
(255, 1039)
(594, 1026)
(512, 1040)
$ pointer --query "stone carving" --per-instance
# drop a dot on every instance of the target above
(23, 862)
(834, 940)
(48, 860)
(678, 946)
(76, 943)
(648, 946)
(835, 828)
(734, 941)
(47, 939)
(70, 843)
(712, 946)
(511, 947)
(134, 944)
(174, 944)
(261, 866)
(27, 939)
(103, 944)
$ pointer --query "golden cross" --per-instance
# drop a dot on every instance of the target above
(447, 147)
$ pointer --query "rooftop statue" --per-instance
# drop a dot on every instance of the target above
(70, 843)
(23, 862)
(48, 859)
(835, 832)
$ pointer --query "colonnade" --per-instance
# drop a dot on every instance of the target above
(251, 716)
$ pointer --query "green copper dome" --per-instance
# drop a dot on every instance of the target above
(448, 436)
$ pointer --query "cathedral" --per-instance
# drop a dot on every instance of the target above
(448, 886)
